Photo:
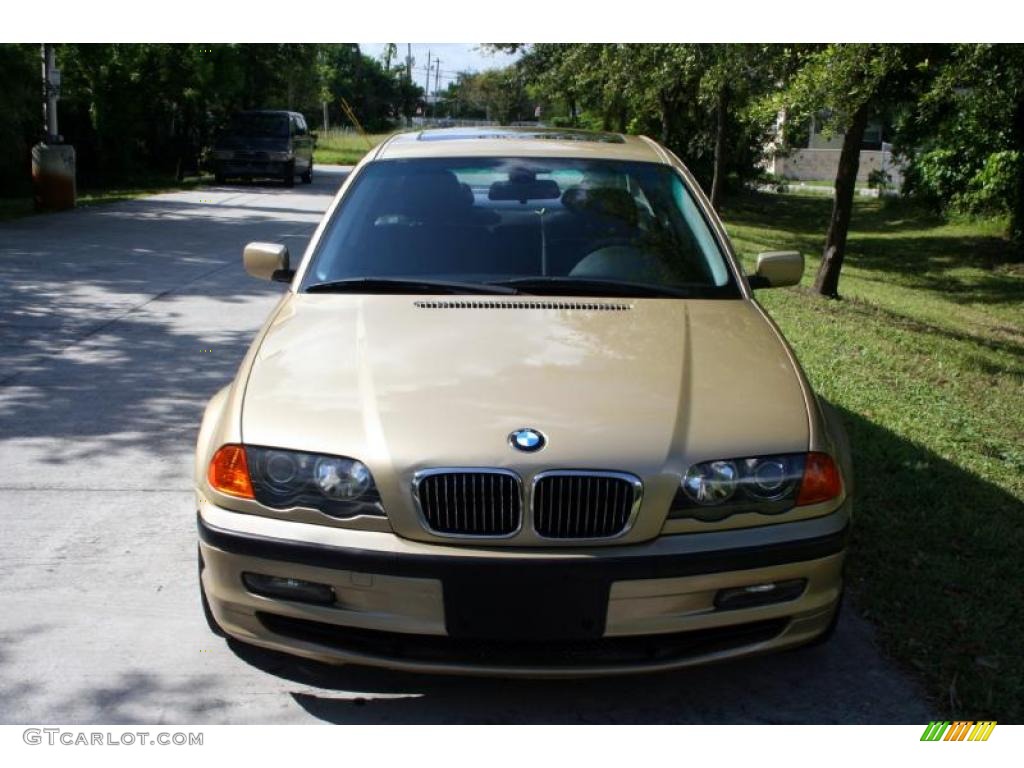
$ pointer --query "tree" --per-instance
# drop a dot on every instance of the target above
(695, 98)
(21, 117)
(498, 94)
(135, 109)
(845, 84)
(733, 75)
(966, 139)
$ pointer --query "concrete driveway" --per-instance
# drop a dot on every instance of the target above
(117, 322)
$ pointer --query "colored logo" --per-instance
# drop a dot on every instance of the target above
(528, 440)
(960, 730)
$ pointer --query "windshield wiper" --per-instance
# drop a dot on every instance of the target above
(582, 286)
(405, 285)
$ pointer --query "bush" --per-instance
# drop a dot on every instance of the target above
(880, 180)
(949, 181)
(991, 188)
(938, 175)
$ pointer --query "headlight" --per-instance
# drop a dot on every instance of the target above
(712, 482)
(282, 479)
(279, 156)
(714, 490)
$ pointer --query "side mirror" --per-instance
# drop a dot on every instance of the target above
(313, 135)
(268, 261)
(777, 269)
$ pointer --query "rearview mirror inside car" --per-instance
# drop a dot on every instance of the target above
(268, 261)
(777, 269)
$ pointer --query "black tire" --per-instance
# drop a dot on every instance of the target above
(220, 178)
(307, 177)
(211, 621)
(289, 175)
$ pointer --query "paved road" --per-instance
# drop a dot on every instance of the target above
(116, 324)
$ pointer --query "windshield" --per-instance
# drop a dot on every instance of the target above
(256, 124)
(555, 226)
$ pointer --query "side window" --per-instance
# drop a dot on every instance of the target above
(300, 125)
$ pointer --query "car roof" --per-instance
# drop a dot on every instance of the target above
(520, 142)
(281, 112)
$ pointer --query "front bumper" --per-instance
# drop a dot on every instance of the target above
(456, 609)
(251, 168)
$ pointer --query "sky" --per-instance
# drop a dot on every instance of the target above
(455, 57)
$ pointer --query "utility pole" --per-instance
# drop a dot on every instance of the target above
(406, 98)
(322, 61)
(51, 84)
(53, 163)
(437, 82)
(426, 89)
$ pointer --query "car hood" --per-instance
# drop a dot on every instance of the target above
(409, 382)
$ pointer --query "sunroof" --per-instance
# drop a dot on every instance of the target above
(550, 135)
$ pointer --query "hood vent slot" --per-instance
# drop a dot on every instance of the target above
(582, 306)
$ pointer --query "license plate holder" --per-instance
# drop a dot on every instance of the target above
(517, 604)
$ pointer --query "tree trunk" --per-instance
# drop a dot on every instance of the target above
(826, 282)
(721, 110)
(666, 108)
(1017, 209)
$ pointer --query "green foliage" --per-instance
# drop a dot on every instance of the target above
(21, 118)
(991, 189)
(669, 91)
(965, 139)
(879, 179)
(336, 147)
(952, 181)
(495, 94)
(132, 109)
(835, 81)
(938, 174)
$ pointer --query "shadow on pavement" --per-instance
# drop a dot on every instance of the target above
(840, 682)
(118, 322)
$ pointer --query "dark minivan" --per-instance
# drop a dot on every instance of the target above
(265, 144)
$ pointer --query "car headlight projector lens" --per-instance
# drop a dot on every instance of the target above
(341, 478)
(712, 482)
(714, 490)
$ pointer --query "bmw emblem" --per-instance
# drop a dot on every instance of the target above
(528, 440)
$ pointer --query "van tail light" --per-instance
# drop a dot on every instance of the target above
(229, 472)
(821, 480)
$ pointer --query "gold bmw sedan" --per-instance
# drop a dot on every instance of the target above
(519, 413)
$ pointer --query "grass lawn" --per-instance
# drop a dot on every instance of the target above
(341, 148)
(925, 357)
(14, 207)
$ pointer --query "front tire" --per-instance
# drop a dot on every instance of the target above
(307, 177)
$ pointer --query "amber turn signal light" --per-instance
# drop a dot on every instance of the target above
(229, 472)
(821, 480)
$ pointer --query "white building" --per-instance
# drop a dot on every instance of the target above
(818, 160)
